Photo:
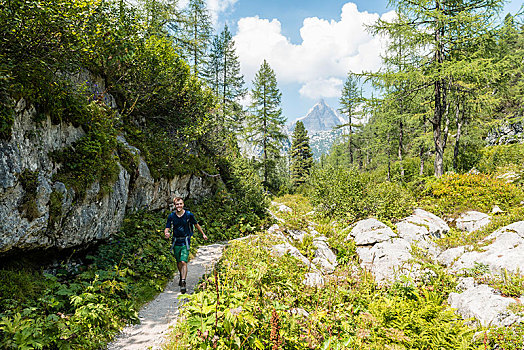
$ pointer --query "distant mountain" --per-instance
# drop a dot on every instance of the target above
(319, 122)
(320, 117)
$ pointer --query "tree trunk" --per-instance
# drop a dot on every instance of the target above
(400, 141)
(389, 158)
(460, 123)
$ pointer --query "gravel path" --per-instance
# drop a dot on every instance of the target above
(160, 315)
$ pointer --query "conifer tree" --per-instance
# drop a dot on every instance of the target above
(301, 155)
(441, 35)
(197, 30)
(350, 99)
(224, 77)
(265, 123)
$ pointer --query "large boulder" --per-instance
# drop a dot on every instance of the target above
(504, 250)
(369, 232)
(472, 220)
(386, 254)
(422, 225)
(484, 304)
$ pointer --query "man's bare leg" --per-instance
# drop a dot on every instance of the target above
(182, 268)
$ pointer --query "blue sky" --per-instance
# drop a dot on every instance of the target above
(310, 44)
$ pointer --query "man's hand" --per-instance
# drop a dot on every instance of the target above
(204, 235)
(166, 233)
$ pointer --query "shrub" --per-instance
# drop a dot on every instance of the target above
(454, 193)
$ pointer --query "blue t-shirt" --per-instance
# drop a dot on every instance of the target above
(181, 226)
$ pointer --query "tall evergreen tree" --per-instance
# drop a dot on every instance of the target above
(441, 33)
(301, 155)
(224, 77)
(266, 121)
(197, 30)
(350, 100)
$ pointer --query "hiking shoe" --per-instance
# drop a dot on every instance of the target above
(183, 286)
(180, 282)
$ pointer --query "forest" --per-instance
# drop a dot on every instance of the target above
(429, 133)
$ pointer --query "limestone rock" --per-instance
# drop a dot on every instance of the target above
(286, 248)
(324, 251)
(325, 266)
(506, 251)
(472, 220)
(369, 232)
(386, 259)
(448, 256)
(482, 303)
(422, 225)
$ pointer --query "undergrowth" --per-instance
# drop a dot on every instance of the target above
(256, 300)
(82, 310)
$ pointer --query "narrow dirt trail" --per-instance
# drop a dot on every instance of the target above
(160, 315)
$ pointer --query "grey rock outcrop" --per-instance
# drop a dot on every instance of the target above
(472, 220)
(76, 221)
(506, 134)
(504, 250)
(369, 232)
(387, 254)
(484, 304)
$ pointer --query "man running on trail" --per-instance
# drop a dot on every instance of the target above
(181, 221)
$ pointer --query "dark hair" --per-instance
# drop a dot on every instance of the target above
(176, 199)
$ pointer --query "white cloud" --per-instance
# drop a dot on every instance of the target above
(329, 49)
(320, 88)
(216, 7)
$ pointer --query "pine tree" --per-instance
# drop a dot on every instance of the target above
(265, 123)
(442, 36)
(223, 76)
(301, 155)
(350, 100)
(196, 34)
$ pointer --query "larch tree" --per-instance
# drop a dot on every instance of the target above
(436, 31)
(197, 30)
(265, 122)
(350, 101)
(301, 155)
(225, 79)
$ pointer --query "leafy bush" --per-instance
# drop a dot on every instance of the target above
(348, 194)
(494, 157)
(83, 310)
(454, 193)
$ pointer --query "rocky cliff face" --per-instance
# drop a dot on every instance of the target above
(58, 219)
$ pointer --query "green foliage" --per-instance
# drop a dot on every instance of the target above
(28, 207)
(348, 194)
(301, 155)
(92, 158)
(55, 208)
(236, 210)
(494, 157)
(509, 284)
(459, 192)
(507, 338)
(82, 310)
(265, 123)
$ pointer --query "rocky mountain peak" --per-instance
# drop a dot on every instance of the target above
(321, 117)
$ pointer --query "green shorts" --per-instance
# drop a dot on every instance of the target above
(181, 253)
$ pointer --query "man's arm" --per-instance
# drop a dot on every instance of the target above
(199, 228)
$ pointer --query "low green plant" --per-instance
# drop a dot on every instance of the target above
(28, 207)
(506, 337)
(454, 193)
(510, 284)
